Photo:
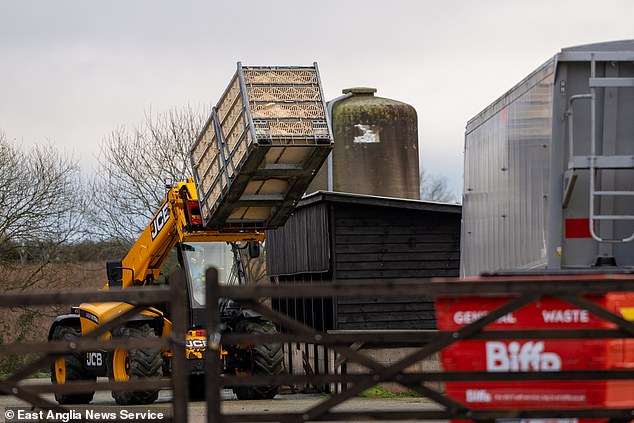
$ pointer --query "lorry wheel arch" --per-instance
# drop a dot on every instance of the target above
(64, 320)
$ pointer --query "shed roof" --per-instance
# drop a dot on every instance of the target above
(618, 45)
(373, 200)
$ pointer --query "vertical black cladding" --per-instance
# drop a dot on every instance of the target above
(317, 312)
(302, 245)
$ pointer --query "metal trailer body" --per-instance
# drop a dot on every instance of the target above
(549, 167)
(264, 142)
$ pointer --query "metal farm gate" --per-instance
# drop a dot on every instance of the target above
(519, 291)
(175, 297)
(515, 291)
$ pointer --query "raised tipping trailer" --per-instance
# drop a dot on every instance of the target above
(265, 140)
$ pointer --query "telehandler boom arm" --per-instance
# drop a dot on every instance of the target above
(177, 220)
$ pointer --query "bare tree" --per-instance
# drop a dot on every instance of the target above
(436, 188)
(133, 165)
(41, 207)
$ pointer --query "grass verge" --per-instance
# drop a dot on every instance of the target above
(379, 391)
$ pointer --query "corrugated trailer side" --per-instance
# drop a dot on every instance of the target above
(541, 191)
(506, 178)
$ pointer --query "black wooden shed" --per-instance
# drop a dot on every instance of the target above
(340, 236)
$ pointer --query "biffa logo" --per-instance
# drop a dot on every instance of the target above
(520, 358)
(478, 395)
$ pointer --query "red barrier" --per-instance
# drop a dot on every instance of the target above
(538, 355)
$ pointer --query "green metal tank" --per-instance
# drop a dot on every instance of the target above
(375, 149)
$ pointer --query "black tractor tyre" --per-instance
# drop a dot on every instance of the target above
(267, 359)
(140, 363)
(74, 367)
(197, 387)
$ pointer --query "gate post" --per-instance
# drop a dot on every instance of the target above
(180, 374)
(212, 364)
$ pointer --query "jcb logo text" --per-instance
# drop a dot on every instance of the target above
(94, 359)
(160, 220)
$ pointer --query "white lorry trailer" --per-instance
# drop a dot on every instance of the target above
(549, 168)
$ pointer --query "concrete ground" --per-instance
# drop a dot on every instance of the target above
(104, 403)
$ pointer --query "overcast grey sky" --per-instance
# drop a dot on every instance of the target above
(73, 70)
